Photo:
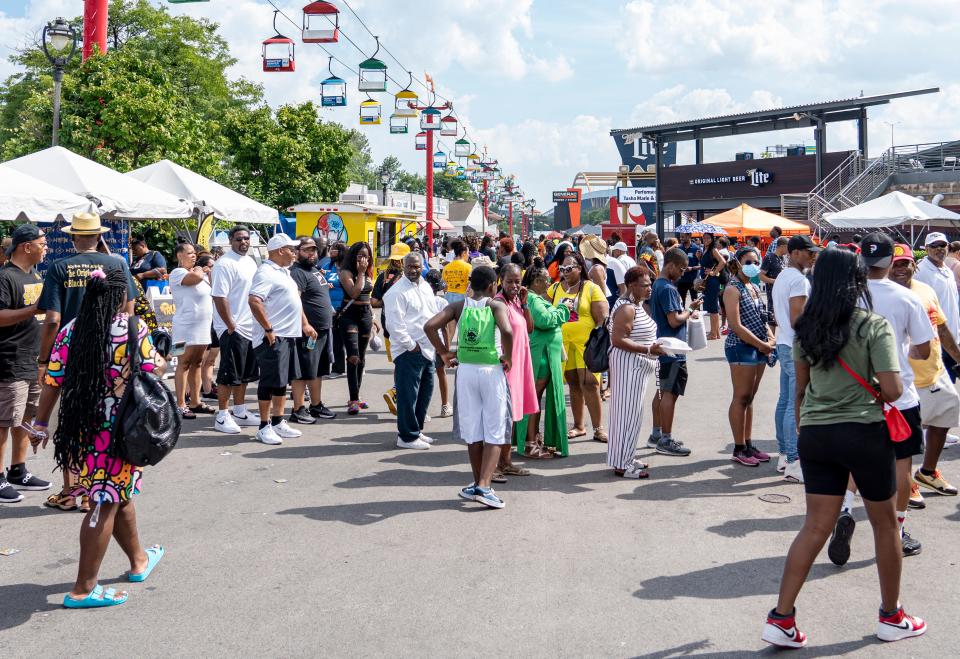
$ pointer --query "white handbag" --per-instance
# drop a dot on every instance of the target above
(696, 333)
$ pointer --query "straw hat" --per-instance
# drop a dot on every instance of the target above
(85, 224)
(594, 247)
(399, 251)
(482, 260)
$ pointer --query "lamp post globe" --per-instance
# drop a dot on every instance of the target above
(59, 43)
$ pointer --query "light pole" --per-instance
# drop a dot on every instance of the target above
(59, 44)
(385, 180)
(892, 124)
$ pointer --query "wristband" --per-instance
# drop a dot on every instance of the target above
(39, 363)
(39, 424)
(268, 330)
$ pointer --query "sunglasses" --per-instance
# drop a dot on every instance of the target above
(937, 246)
(568, 268)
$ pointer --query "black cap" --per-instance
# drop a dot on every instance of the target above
(877, 249)
(24, 233)
(801, 242)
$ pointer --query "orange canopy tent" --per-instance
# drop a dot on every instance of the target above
(746, 220)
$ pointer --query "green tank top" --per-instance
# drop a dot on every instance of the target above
(476, 334)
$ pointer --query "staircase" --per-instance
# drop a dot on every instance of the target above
(858, 179)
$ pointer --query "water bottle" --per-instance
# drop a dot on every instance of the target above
(311, 343)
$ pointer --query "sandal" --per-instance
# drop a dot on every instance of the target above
(97, 598)
(202, 408)
(513, 470)
(573, 433)
(61, 501)
(84, 506)
(154, 554)
(536, 452)
(599, 435)
(186, 413)
(498, 477)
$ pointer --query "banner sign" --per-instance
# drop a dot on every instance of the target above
(566, 196)
(755, 177)
(644, 195)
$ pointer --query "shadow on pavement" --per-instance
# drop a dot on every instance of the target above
(22, 600)
(409, 477)
(26, 509)
(690, 650)
(361, 514)
(748, 578)
(738, 482)
(368, 444)
(740, 528)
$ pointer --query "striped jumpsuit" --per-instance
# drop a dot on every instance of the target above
(629, 374)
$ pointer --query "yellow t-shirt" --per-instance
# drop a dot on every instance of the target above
(457, 276)
(926, 371)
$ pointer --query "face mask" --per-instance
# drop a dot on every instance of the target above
(751, 270)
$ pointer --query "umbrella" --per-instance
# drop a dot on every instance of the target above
(554, 234)
(699, 228)
(892, 209)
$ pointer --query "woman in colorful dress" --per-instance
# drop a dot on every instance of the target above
(633, 359)
(522, 391)
(590, 308)
(546, 355)
(88, 368)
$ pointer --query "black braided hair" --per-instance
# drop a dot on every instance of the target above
(85, 382)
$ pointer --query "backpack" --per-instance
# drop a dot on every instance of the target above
(147, 424)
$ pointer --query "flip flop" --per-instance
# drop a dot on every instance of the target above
(97, 598)
(573, 433)
(154, 554)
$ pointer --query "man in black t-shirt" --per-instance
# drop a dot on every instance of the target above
(770, 269)
(147, 264)
(20, 287)
(63, 289)
(315, 361)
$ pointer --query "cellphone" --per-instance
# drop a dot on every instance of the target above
(179, 348)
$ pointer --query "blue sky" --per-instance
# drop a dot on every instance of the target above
(542, 82)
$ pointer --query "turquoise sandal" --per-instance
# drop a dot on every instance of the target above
(96, 599)
(154, 554)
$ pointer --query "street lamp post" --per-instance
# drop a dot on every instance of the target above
(59, 44)
(385, 180)
(891, 124)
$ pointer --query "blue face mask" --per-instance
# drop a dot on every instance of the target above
(751, 270)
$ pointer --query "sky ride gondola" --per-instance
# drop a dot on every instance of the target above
(439, 160)
(420, 142)
(399, 125)
(370, 112)
(449, 126)
(373, 73)
(278, 52)
(430, 119)
(406, 101)
(321, 23)
(462, 148)
(333, 90)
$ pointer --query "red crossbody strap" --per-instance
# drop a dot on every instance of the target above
(863, 383)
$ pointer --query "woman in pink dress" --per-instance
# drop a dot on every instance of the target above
(522, 386)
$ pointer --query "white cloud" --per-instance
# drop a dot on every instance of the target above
(552, 70)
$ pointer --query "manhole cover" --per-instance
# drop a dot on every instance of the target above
(775, 498)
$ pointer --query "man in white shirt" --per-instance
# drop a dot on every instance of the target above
(276, 307)
(408, 305)
(232, 275)
(912, 334)
(789, 294)
(933, 272)
(621, 251)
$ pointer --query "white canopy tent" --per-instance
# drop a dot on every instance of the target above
(28, 199)
(118, 196)
(891, 210)
(205, 194)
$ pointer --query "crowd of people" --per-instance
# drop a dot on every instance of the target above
(864, 335)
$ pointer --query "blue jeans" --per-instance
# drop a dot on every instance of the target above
(785, 418)
(413, 378)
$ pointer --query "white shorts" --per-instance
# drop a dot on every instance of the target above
(192, 334)
(481, 405)
(939, 405)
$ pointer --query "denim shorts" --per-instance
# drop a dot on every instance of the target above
(740, 354)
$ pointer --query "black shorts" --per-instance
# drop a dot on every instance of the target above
(214, 339)
(673, 377)
(279, 363)
(829, 454)
(912, 445)
(314, 363)
(238, 364)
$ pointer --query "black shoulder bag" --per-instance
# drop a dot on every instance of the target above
(148, 423)
(596, 353)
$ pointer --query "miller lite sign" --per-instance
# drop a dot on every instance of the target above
(759, 178)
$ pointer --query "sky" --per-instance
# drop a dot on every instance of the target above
(540, 83)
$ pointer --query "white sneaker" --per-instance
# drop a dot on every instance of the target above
(251, 419)
(268, 435)
(226, 424)
(781, 463)
(952, 440)
(633, 470)
(285, 431)
(793, 472)
(446, 410)
(426, 418)
(417, 444)
(426, 438)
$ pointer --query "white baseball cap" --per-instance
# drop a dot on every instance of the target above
(281, 240)
(935, 237)
(622, 246)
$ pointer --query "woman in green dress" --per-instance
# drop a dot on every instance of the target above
(546, 351)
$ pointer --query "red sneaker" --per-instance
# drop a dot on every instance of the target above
(783, 632)
(899, 626)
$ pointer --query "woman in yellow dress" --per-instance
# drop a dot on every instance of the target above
(590, 309)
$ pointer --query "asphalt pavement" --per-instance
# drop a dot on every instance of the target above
(338, 544)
